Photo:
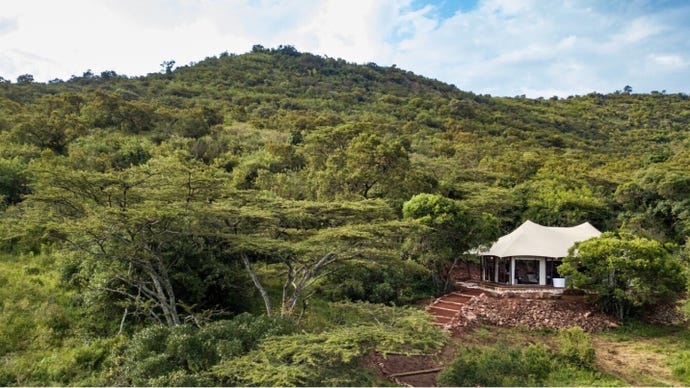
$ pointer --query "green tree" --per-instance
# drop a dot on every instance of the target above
(52, 123)
(25, 79)
(447, 231)
(373, 163)
(550, 202)
(655, 201)
(626, 273)
(138, 228)
(14, 181)
(167, 66)
(307, 239)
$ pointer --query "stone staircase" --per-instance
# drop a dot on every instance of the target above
(446, 308)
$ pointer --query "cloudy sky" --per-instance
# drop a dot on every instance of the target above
(497, 47)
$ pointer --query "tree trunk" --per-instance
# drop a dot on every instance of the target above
(257, 283)
(289, 281)
(166, 302)
(449, 276)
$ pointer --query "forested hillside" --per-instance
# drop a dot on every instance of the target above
(178, 228)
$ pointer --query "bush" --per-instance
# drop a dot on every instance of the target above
(627, 274)
(501, 365)
(575, 347)
(680, 366)
(181, 355)
(333, 357)
(532, 365)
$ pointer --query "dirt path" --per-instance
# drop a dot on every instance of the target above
(632, 363)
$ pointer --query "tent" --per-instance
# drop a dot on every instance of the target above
(531, 254)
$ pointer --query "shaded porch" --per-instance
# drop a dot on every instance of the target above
(522, 271)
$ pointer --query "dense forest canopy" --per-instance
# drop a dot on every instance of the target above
(262, 182)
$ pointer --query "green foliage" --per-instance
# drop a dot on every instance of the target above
(552, 203)
(82, 364)
(680, 366)
(571, 362)
(655, 200)
(14, 181)
(499, 366)
(117, 182)
(626, 273)
(330, 358)
(158, 355)
(397, 282)
(575, 347)
(448, 230)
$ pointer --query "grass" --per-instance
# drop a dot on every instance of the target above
(635, 354)
(642, 354)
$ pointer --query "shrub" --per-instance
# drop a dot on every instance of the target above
(331, 357)
(575, 347)
(571, 361)
(501, 365)
(628, 274)
(181, 355)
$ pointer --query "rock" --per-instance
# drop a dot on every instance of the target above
(534, 313)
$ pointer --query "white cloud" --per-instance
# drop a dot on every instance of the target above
(501, 47)
(637, 30)
(509, 48)
(669, 61)
(351, 30)
(7, 25)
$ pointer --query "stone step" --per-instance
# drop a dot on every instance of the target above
(417, 372)
(448, 304)
(465, 294)
(470, 291)
(443, 308)
(455, 298)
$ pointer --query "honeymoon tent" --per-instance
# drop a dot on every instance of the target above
(531, 253)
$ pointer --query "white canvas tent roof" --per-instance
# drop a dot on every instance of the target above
(532, 239)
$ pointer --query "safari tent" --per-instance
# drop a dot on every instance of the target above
(531, 254)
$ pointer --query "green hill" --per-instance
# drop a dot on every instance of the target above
(259, 183)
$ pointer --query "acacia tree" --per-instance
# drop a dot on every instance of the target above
(625, 272)
(305, 239)
(136, 226)
(370, 161)
(446, 231)
(53, 122)
(13, 181)
(349, 161)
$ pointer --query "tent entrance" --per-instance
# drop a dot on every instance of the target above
(519, 270)
(496, 270)
(527, 271)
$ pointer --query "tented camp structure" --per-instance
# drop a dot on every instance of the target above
(531, 253)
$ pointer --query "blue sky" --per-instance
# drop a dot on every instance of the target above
(538, 48)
